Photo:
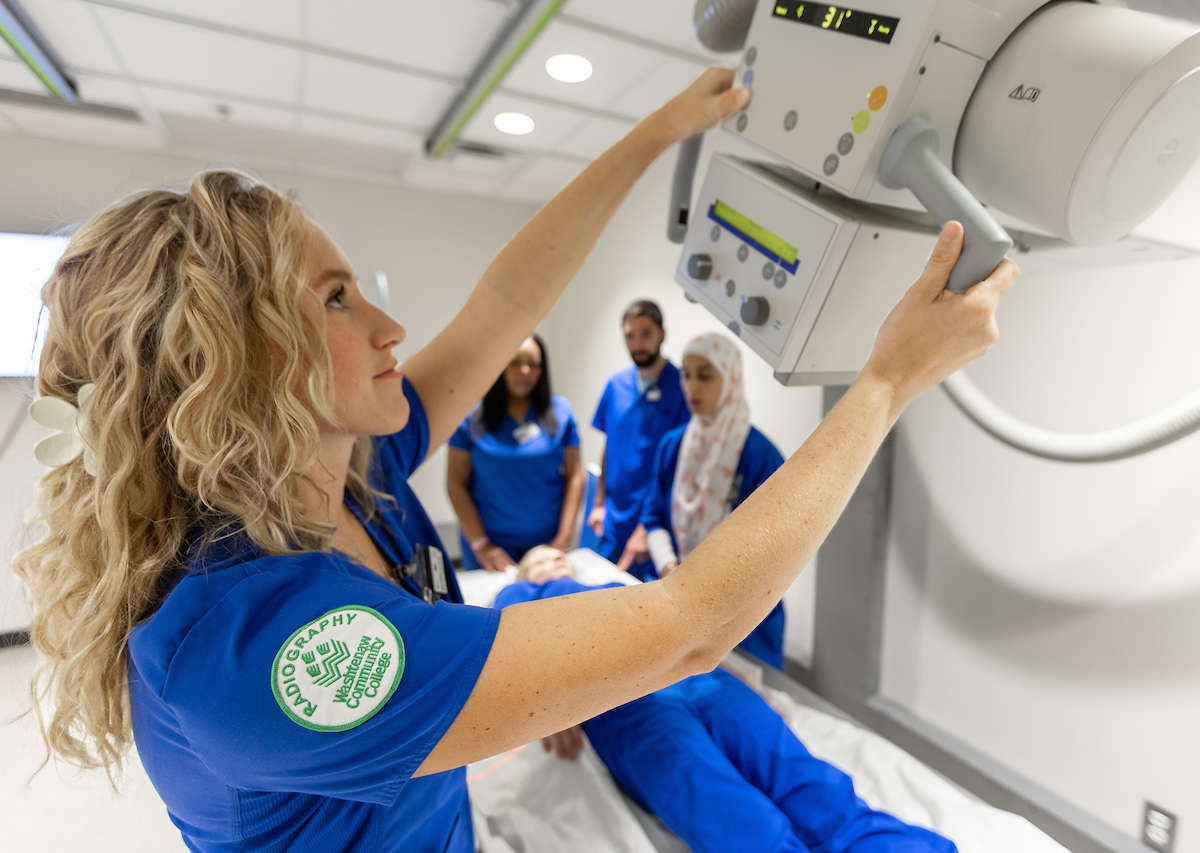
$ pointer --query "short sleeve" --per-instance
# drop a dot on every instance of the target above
(404, 451)
(463, 438)
(600, 419)
(566, 416)
(656, 506)
(279, 650)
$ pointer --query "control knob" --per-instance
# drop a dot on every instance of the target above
(699, 266)
(755, 311)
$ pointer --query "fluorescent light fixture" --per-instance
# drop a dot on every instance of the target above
(509, 46)
(568, 68)
(23, 37)
(517, 124)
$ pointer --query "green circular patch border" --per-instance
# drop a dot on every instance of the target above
(314, 726)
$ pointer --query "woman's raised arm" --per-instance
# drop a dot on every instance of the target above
(558, 662)
(524, 281)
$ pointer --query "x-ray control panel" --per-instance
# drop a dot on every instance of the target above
(768, 259)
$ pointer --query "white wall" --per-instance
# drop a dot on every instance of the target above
(1046, 613)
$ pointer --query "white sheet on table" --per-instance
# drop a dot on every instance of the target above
(480, 587)
(552, 805)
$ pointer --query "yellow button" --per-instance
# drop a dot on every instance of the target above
(877, 98)
(861, 121)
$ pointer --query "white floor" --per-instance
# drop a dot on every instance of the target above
(61, 809)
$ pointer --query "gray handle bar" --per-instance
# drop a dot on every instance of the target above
(910, 162)
(681, 188)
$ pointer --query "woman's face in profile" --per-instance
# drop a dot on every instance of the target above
(701, 385)
(369, 395)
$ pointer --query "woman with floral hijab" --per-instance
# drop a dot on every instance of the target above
(704, 469)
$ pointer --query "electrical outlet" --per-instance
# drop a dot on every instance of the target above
(1159, 828)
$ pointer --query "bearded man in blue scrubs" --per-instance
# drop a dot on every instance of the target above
(640, 404)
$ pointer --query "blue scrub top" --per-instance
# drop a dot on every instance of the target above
(233, 747)
(634, 422)
(518, 485)
(759, 460)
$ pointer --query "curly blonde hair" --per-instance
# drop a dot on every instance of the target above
(187, 310)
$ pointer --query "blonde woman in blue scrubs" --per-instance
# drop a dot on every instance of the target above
(236, 575)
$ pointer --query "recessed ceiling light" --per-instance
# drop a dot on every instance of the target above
(568, 68)
(518, 124)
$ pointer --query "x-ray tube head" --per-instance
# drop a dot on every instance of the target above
(1085, 120)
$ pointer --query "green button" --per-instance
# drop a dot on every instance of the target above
(861, 121)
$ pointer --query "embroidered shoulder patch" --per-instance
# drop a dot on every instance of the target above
(337, 671)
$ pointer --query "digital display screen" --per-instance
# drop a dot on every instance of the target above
(852, 22)
(772, 245)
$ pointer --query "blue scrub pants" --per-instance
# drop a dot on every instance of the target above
(725, 773)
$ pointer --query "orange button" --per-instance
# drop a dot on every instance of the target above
(877, 98)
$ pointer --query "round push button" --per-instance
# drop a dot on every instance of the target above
(768, 270)
(743, 252)
(699, 267)
(845, 143)
(730, 287)
(862, 120)
(755, 311)
(877, 98)
(780, 278)
(715, 234)
(742, 121)
(830, 165)
(751, 55)
(789, 120)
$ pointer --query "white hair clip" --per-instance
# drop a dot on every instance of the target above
(67, 444)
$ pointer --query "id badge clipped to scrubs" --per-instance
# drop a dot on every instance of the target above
(653, 395)
(428, 571)
(527, 432)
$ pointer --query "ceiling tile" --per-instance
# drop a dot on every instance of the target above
(666, 81)
(60, 124)
(173, 53)
(351, 89)
(365, 134)
(15, 74)
(667, 22)
(173, 102)
(432, 175)
(74, 32)
(446, 36)
(276, 17)
(261, 148)
(107, 91)
(551, 125)
(593, 138)
(616, 66)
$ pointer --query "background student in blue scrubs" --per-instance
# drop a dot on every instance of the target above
(638, 406)
(720, 766)
(225, 580)
(706, 468)
(515, 476)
